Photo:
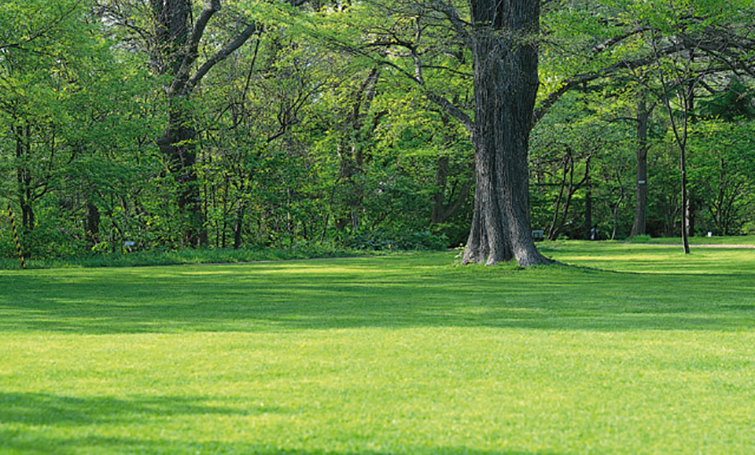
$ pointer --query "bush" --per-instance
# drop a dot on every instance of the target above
(7, 245)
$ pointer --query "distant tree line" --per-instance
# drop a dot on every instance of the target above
(404, 124)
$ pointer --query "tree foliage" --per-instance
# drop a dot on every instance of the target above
(251, 123)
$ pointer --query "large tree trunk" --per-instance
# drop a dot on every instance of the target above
(505, 83)
(639, 227)
(177, 143)
(175, 54)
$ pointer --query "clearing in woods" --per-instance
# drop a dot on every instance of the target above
(640, 351)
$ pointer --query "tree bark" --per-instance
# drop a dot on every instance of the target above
(352, 150)
(442, 211)
(26, 194)
(588, 204)
(178, 146)
(685, 196)
(92, 223)
(639, 226)
(176, 56)
(238, 229)
(177, 141)
(505, 83)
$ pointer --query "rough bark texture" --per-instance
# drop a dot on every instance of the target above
(505, 83)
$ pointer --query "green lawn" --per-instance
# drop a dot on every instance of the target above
(702, 240)
(641, 350)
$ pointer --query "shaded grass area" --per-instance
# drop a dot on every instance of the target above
(651, 292)
(638, 350)
(703, 240)
(186, 256)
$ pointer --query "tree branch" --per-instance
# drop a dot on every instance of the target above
(192, 50)
(580, 79)
(459, 26)
(43, 31)
(610, 42)
(221, 55)
(452, 110)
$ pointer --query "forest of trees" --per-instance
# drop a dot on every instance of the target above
(373, 124)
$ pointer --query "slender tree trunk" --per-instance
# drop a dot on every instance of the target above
(685, 202)
(28, 218)
(505, 83)
(24, 177)
(352, 153)
(588, 202)
(553, 228)
(680, 131)
(615, 213)
(689, 206)
(569, 195)
(239, 225)
(639, 226)
(92, 223)
(442, 211)
(226, 211)
(441, 178)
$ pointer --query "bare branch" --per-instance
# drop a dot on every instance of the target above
(221, 55)
(610, 42)
(192, 51)
(452, 110)
(459, 26)
(580, 79)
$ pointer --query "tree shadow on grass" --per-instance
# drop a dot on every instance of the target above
(391, 294)
(44, 409)
(70, 446)
(39, 423)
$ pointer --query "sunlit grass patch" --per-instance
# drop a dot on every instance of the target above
(639, 350)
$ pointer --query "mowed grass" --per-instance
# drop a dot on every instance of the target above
(635, 350)
(703, 240)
